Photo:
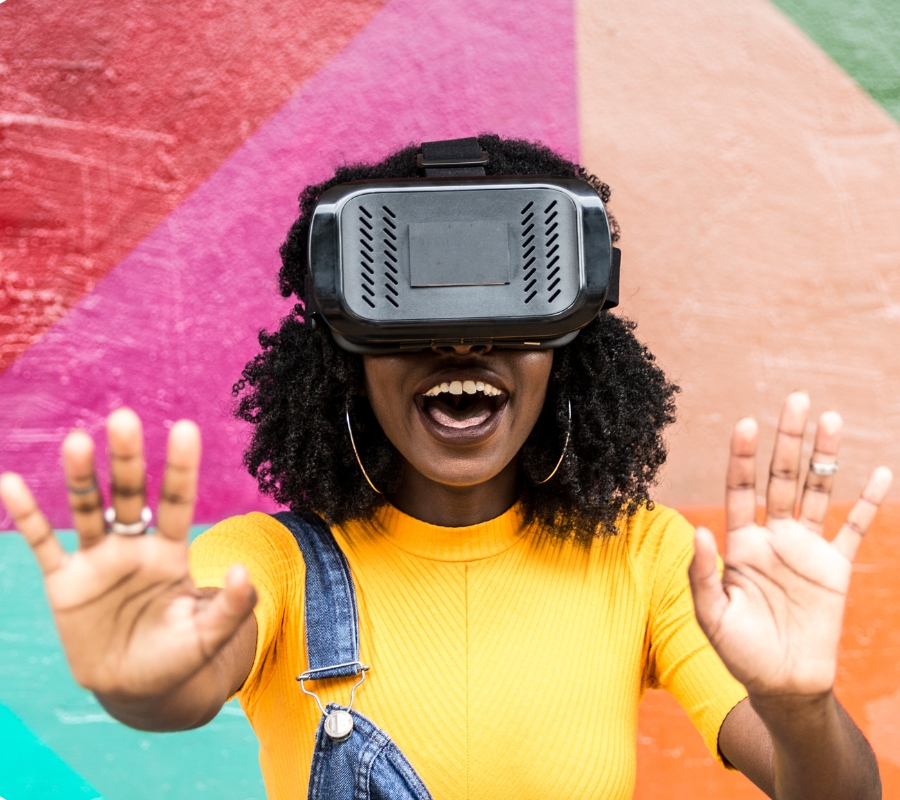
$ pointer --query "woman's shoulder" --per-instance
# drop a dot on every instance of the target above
(657, 535)
(257, 540)
(244, 531)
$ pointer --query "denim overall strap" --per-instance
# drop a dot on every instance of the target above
(332, 621)
(364, 764)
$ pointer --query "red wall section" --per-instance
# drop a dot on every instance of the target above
(112, 111)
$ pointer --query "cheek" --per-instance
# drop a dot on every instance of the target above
(388, 386)
(534, 378)
(381, 385)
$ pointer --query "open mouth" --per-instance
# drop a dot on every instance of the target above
(462, 407)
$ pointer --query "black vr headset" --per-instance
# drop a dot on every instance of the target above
(456, 257)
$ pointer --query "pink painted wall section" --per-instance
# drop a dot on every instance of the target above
(756, 186)
(169, 329)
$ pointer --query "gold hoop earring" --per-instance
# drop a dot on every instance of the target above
(356, 452)
(562, 455)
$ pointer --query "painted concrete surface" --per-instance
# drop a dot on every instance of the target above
(28, 768)
(170, 328)
(113, 111)
(756, 186)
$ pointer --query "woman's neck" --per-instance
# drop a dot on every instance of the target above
(456, 506)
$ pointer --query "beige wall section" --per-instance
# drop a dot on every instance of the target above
(758, 190)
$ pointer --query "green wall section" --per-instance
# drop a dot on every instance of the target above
(53, 733)
(862, 36)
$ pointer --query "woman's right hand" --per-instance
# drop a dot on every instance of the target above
(158, 652)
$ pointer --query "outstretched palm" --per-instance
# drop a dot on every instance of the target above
(775, 615)
(131, 621)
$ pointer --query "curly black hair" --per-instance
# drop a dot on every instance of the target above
(295, 391)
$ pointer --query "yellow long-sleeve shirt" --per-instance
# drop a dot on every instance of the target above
(503, 664)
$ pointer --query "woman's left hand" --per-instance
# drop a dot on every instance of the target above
(775, 615)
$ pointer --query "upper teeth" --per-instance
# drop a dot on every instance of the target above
(459, 387)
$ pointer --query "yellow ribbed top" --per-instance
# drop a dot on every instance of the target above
(503, 664)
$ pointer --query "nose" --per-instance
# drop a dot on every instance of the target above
(462, 349)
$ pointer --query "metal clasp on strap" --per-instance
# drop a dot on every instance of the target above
(310, 675)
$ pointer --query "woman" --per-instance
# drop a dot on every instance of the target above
(516, 588)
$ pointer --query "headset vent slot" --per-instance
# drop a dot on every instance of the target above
(390, 273)
(539, 242)
(367, 247)
(551, 248)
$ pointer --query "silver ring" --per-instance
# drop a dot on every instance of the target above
(130, 528)
(87, 489)
(824, 470)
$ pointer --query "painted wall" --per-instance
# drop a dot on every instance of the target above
(150, 159)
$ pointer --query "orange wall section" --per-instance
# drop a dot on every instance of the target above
(756, 187)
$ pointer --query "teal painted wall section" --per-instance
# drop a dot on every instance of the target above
(46, 713)
(28, 768)
(862, 36)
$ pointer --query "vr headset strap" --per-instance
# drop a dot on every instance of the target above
(311, 314)
(452, 158)
(612, 293)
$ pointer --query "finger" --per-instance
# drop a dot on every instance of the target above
(740, 478)
(784, 471)
(81, 483)
(218, 621)
(817, 488)
(31, 522)
(126, 452)
(863, 512)
(710, 600)
(179, 490)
